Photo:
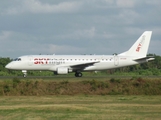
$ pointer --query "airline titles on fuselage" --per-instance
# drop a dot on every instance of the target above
(63, 61)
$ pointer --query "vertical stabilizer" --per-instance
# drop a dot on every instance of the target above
(140, 47)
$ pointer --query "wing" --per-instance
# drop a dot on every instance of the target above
(82, 66)
(75, 66)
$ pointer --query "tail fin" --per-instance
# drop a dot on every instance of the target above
(140, 47)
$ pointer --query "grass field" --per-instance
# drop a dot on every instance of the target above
(80, 107)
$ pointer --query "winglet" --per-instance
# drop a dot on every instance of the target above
(140, 47)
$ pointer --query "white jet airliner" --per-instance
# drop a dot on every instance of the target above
(64, 64)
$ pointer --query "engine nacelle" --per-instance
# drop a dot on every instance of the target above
(62, 70)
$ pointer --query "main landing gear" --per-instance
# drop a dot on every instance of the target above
(78, 74)
(24, 73)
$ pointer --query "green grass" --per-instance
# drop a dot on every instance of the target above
(80, 107)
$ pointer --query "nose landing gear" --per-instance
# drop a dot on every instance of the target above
(24, 73)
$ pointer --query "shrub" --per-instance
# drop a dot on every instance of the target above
(16, 80)
(6, 88)
(113, 80)
(64, 82)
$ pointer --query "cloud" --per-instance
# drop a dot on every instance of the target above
(66, 49)
(125, 3)
(35, 6)
(76, 26)
(120, 3)
(109, 1)
(154, 46)
(79, 34)
(89, 33)
(153, 2)
(128, 17)
(4, 35)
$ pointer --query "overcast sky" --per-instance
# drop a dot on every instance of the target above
(77, 26)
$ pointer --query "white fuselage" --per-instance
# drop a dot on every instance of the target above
(53, 62)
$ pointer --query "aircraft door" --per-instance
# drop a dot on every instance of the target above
(30, 61)
(116, 60)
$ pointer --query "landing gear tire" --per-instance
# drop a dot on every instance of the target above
(79, 74)
(24, 73)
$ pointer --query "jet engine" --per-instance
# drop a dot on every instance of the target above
(62, 70)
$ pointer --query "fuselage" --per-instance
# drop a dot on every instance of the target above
(53, 62)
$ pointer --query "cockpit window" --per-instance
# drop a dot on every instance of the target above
(17, 59)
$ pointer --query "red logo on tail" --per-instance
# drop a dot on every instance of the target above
(138, 48)
(140, 44)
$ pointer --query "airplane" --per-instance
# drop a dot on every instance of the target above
(64, 64)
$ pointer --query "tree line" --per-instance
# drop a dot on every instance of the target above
(149, 68)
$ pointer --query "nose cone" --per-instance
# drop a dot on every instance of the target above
(8, 66)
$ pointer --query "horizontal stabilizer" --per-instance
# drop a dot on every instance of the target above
(148, 58)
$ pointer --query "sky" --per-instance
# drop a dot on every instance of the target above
(101, 27)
